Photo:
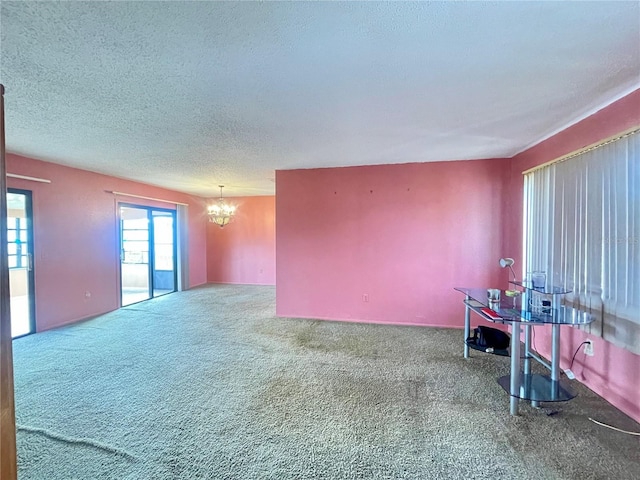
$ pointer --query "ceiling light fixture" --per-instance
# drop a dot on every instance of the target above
(221, 213)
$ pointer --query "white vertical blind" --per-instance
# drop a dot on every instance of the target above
(582, 227)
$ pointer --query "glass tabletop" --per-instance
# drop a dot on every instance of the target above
(511, 309)
(547, 289)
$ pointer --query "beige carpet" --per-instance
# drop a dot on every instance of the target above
(209, 384)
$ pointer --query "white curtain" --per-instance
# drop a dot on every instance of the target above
(582, 227)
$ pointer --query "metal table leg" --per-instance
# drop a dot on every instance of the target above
(467, 327)
(528, 356)
(555, 359)
(527, 349)
(515, 368)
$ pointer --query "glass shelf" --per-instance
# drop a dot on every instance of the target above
(539, 388)
(510, 309)
(546, 290)
(495, 351)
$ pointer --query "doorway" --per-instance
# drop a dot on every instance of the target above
(148, 266)
(20, 253)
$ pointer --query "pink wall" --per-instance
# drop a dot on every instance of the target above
(612, 372)
(76, 238)
(245, 250)
(399, 236)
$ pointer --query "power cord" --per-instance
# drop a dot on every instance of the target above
(570, 367)
(574, 355)
(614, 428)
(533, 342)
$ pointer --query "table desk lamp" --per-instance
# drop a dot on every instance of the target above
(508, 262)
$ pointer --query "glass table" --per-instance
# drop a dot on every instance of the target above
(528, 308)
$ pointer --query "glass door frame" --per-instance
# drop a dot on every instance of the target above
(151, 245)
(28, 209)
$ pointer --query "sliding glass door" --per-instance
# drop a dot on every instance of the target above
(147, 253)
(163, 266)
(20, 249)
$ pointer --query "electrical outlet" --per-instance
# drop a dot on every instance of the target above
(588, 348)
(365, 297)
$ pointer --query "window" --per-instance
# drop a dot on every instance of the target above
(135, 240)
(582, 227)
(17, 242)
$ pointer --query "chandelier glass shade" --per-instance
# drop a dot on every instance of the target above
(221, 213)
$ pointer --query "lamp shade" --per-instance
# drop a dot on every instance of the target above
(506, 262)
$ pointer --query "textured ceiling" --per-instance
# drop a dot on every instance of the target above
(188, 95)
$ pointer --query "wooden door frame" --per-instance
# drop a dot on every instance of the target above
(8, 458)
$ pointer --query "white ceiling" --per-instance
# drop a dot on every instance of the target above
(188, 95)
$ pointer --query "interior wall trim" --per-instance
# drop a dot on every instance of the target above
(146, 198)
(25, 177)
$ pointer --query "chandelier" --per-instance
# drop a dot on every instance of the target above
(221, 212)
